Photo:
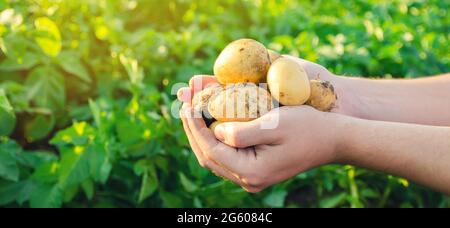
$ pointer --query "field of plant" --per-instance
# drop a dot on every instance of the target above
(86, 95)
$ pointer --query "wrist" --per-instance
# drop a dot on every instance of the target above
(342, 138)
(346, 103)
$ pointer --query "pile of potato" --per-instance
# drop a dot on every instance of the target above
(243, 69)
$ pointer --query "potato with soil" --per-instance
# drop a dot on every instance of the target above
(240, 102)
(288, 82)
(323, 97)
(243, 60)
(201, 99)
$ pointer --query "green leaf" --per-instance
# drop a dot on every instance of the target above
(407, 205)
(88, 188)
(48, 36)
(26, 62)
(149, 178)
(46, 173)
(46, 88)
(80, 112)
(25, 192)
(333, 201)
(105, 171)
(71, 63)
(187, 184)
(163, 164)
(78, 134)
(11, 147)
(14, 46)
(39, 127)
(7, 115)
(99, 164)
(194, 169)
(35, 159)
(197, 203)
(46, 196)
(8, 165)
(128, 132)
(95, 109)
(171, 200)
(148, 187)
(70, 193)
(9, 192)
(135, 72)
(74, 167)
(82, 155)
(276, 198)
(16, 191)
(369, 193)
(141, 166)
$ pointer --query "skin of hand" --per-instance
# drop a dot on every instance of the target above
(256, 158)
(418, 101)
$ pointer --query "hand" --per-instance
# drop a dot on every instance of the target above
(256, 158)
(314, 70)
(245, 153)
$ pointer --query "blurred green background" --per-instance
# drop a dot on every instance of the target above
(86, 95)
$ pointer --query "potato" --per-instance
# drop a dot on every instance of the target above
(288, 82)
(240, 102)
(201, 99)
(243, 60)
(323, 97)
(273, 55)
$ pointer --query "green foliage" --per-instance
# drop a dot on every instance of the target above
(86, 98)
(7, 115)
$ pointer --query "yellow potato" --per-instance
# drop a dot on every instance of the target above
(323, 97)
(240, 102)
(201, 99)
(243, 60)
(288, 82)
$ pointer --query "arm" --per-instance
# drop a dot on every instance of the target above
(305, 138)
(416, 152)
(255, 158)
(421, 101)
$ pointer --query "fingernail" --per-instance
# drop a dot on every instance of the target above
(180, 94)
(184, 95)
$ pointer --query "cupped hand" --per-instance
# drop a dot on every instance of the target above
(255, 157)
(268, 150)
